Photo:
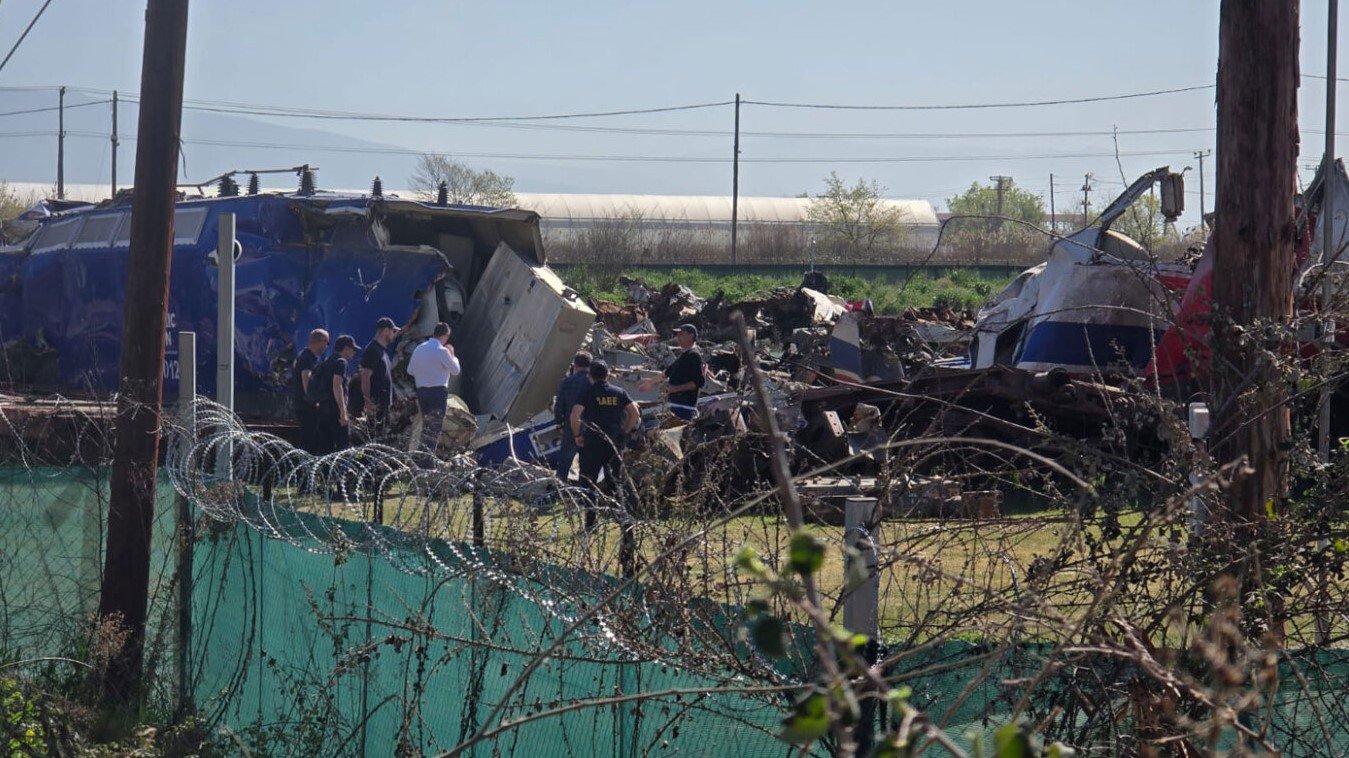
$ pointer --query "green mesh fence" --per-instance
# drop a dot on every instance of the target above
(317, 650)
(317, 647)
(51, 558)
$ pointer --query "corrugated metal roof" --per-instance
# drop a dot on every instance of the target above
(692, 208)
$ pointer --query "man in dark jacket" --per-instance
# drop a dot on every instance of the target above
(376, 374)
(568, 392)
(306, 412)
(601, 420)
(685, 375)
(331, 376)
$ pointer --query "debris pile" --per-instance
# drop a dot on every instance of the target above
(806, 341)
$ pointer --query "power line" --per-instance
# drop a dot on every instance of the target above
(973, 106)
(292, 112)
(661, 158)
(722, 134)
(23, 36)
(284, 112)
(48, 109)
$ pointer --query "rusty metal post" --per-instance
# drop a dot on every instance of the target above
(479, 518)
(187, 395)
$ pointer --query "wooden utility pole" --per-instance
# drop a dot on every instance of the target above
(1001, 185)
(1086, 200)
(61, 145)
(1253, 261)
(735, 179)
(114, 144)
(1053, 217)
(1201, 155)
(126, 573)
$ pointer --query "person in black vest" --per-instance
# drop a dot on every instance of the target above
(601, 420)
(331, 378)
(685, 375)
(306, 412)
(377, 376)
(568, 392)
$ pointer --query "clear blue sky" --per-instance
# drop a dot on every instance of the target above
(452, 58)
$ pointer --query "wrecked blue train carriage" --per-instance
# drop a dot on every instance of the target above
(303, 261)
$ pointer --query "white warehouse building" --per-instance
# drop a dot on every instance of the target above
(656, 228)
(767, 227)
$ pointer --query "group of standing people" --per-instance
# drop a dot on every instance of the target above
(597, 417)
(325, 401)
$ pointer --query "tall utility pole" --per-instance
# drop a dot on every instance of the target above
(1053, 219)
(126, 573)
(1002, 183)
(1330, 253)
(1200, 155)
(1253, 250)
(1086, 200)
(735, 178)
(114, 144)
(1330, 242)
(61, 145)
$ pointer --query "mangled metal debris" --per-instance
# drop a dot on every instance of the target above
(1053, 350)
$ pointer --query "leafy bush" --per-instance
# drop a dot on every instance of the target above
(959, 289)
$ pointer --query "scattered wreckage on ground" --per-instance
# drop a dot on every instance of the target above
(1068, 347)
(1099, 348)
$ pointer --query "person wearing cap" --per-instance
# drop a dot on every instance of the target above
(306, 412)
(376, 374)
(431, 366)
(601, 420)
(684, 376)
(331, 376)
(568, 392)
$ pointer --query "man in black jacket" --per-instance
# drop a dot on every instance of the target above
(331, 377)
(601, 420)
(306, 412)
(376, 374)
(685, 375)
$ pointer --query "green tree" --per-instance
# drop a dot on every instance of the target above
(466, 185)
(980, 229)
(982, 200)
(855, 222)
(11, 205)
(1144, 222)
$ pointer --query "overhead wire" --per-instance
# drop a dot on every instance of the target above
(281, 112)
(293, 112)
(24, 36)
(981, 106)
(50, 108)
(656, 158)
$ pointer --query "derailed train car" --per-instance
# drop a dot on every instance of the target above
(331, 260)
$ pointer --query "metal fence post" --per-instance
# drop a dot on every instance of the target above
(859, 607)
(187, 395)
(224, 334)
(1199, 424)
(861, 603)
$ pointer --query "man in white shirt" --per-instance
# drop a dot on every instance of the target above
(431, 366)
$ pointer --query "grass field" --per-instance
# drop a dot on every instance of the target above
(933, 573)
(961, 289)
(1022, 577)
